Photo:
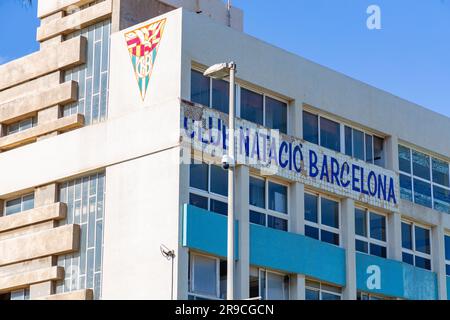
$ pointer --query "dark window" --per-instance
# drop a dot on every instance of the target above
(360, 222)
(377, 226)
(258, 218)
(330, 136)
(257, 193)
(329, 237)
(330, 213)
(277, 197)
(422, 193)
(358, 144)
(422, 237)
(312, 232)
(219, 180)
(407, 236)
(377, 250)
(277, 223)
(369, 148)
(251, 106)
(199, 88)
(440, 172)
(421, 165)
(348, 141)
(219, 207)
(276, 115)
(311, 208)
(361, 246)
(199, 176)
(378, 151)
(404, 159)
(406, 187)
(198, 201)
(310, 127)
(220, 95)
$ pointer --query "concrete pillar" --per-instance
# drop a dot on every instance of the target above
(438, 254)
(394, 226)
(348, 241)
(2, 205)
(295, 119)
(242, 271)
(297, 225)
(45, 195)
(391, 153)
(182, 255)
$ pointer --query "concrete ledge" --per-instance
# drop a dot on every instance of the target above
(56, 211)
(25, 106)
(56, 241)
(85, 294)
(63, 55)
(61, 125)
(46, 8)
(75, 21)
(21, 280)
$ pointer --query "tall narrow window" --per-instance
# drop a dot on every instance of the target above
(252, 108)
(207, 278)
(370, 230)
(447, 254)
(330, 134)
(200, 88)
(276, 115)
(416, 245)
(310, 127)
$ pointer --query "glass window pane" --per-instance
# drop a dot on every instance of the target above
(447, 248)
(358, 144)
(13, 206)
(219, 207)
(199, 88)
(330, 135)
(310, 127)
(422, 193)
(407, 236)
(423, 263)
(277, 197)
(406, 187)
(329, 237)
(440, 172)
(361, 246)
(447, 270)
(257, 218)
(28, 202)
(257, 193)
(330, 296)
(275, 287)
(219, 180)
(277, 223)
(408, 258)
(360, 222)
(205, 276)
(378, 151)
(220, 95)
(378, 251)
(404, 159)
(251, 106)
(312, 294)
(348, 141)
(330, 213)
(198, 176)
(377, 226)
(312, 232)
(198, 201)
(254, 286)
(223, 279)
(441, 199)
(369, 148)
(276, 115)
(421, 165)
(422, 239)
(311, 208)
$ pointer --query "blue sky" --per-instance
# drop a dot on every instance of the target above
(409, 56)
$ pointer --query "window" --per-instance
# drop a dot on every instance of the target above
(321, 131)
(369, 296)
(19, 204)
(207, 278)
(200, 88)
(370, 230)
(263, 110)
(363, 146)
(424, 180)
(22, 294)
(268, 203)
(93, 76)
(321, 291)
(208, 187)
(85, 198)
(416, 245)
(20, 126)
(447, 254)
(268, 285)
(322, 218)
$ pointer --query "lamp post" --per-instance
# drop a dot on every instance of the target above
(220, 71)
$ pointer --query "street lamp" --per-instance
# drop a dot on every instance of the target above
(220, 71)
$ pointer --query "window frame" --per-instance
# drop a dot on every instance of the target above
(320, 289)
(207, 194)
(365, 134)
(265, 271)
(33, 120)
(431, 182)
(266, 211)
(369, 240)
(413, 251)
(21, 203)
(191, 286)
(319, 224)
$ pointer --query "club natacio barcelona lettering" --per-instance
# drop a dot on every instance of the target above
(293, 159)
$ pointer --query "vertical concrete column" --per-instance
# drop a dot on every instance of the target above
(295, 119)
(2, 205)
(391, 153)
(242, 271)
(394, 234)
(182, 256)
(297, 287)
(438, 254)
(43, 196)
(348, 241)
